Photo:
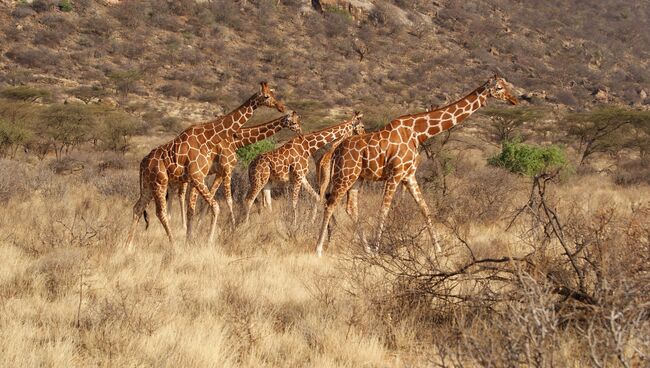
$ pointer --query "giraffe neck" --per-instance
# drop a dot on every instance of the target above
(231, 123)
(431, 123)
(318, 139)
(259, 132)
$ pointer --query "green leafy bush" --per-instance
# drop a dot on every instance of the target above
(248, 153)
(527, 159)
(65, 5)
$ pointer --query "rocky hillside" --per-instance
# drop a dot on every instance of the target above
(195, 59)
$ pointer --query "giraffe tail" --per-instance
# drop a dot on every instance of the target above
(144, 213)
(146, 219)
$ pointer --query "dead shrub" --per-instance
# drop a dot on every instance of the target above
(22, 11)
(580, 278)
(115, 182)
(32, 57)
(50, 38)
(12, 179)
(632, 172)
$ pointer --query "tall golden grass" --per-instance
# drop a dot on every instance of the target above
(72, 295)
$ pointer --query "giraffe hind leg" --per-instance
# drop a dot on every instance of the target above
(161, 212)
(204, 191)
(259, 173)
(339, 189)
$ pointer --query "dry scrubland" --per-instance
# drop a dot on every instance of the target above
(72, 295)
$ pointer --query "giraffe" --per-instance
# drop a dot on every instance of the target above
(390, 154)
(188, 157)
(290, 162)
(244, 137)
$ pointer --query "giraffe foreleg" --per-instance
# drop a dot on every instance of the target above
(182, 192)
(227, 189)
(413, 187)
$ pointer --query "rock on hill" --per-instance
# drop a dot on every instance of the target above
(195, 59)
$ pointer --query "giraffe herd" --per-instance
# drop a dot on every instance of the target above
(388, 155)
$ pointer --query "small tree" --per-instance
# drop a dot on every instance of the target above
(115, 130)
(507, 123)
(66, 126)
(125, 80)
(608, 129)
(12, 137)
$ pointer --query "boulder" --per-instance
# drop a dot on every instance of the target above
(601, 94)
(358, 9)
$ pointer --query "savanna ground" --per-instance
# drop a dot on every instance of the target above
(499, 295)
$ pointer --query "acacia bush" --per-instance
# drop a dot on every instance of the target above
(608, 129)
(248, 153)
(12, 137)
(529, 160)
(508, 123)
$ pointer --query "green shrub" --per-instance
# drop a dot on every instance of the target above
(527, 159)
(248, 153)
(65, 5)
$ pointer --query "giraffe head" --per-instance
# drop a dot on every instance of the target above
(499, 88)
(357, 124)
(293, 122)
(268, 98)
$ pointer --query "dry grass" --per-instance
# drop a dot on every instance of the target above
(72, 295)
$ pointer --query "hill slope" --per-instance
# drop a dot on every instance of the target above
(196, 59)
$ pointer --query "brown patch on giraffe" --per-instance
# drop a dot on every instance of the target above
(420, 124)
(462, 116)
(434, 130)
